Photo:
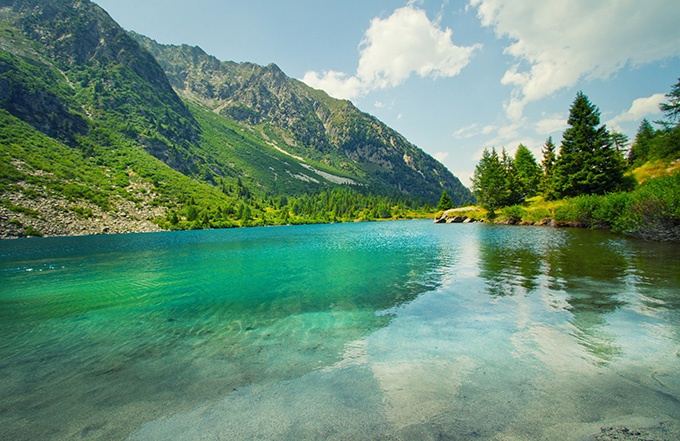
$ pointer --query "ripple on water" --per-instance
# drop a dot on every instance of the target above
(403, 330)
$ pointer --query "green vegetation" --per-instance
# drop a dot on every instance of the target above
(445, 202)
(91, 123)
(496, 182)
(282, 114)
(528, 172)
(588, 163)
(651, 211)
(592, 177)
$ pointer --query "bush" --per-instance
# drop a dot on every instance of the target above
(612, 209)
(513, 214)
(537, 215)
(654, 210)
(82, 212)
(31, 231)
(580, 210)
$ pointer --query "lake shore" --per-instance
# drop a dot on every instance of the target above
(462, 215)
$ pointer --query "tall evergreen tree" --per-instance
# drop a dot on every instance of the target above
(666, 142)
(620, 141)
(588, 162)
(672, 107)
(514, 187)
(639, 151)
(547, 186)
(488, 181)
(528, 171)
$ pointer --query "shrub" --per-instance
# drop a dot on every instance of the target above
(32, 231)
(512, 214)
(580, 210)
(82, 212)
(654, 210)
(536, 215)
(612, 209)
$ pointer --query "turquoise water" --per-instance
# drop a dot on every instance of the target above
(398, 330)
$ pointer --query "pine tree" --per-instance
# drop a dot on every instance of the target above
(588, 163)
(514, 188)
(445, 202)
(639, 151)
(672, 107)
(547, 186)
(488, 181)
(620, 141)
(665, 143)
(528, 171)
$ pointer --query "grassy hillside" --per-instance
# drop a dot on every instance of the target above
(94, 138)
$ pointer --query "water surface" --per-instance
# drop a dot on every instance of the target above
(399, 330)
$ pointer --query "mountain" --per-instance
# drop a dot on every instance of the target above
(110, 131)
(308, 122)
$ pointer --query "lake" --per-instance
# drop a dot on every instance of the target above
(391, 330)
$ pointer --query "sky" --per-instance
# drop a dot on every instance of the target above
(453, 76)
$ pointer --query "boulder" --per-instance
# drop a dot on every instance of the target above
(455, 220)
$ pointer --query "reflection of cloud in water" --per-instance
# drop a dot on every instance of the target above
(571, 347)
(570, 270)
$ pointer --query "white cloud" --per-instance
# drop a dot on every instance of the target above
(474, 130)
(557, 43)
(550, 125)
(465, 176)
(394, 49)
(506, 135)
(440, 156)
(336, 84)
(488, 129)
(640, 108)
(466, 132)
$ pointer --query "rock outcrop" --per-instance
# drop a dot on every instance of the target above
(453, 216)
(21, 216)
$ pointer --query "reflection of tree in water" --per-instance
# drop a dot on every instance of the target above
(655, 274)
(585, 269)
(511, 260)
(592, 270)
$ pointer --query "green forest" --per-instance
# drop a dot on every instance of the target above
(596, 178)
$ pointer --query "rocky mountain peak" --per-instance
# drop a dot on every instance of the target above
(313, 124)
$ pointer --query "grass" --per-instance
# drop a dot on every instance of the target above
(650, 212)
(655, 169)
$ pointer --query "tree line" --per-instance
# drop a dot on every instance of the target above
(335, 205)
(591, 160)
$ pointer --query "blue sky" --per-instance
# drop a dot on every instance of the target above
(454, 77)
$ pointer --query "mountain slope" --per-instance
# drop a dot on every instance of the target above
(94, 135)
(306, 122)
(109, 78)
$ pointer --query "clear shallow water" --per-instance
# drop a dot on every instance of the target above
(399, 330)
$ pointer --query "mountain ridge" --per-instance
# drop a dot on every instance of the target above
(254, 94)
(96, 117)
